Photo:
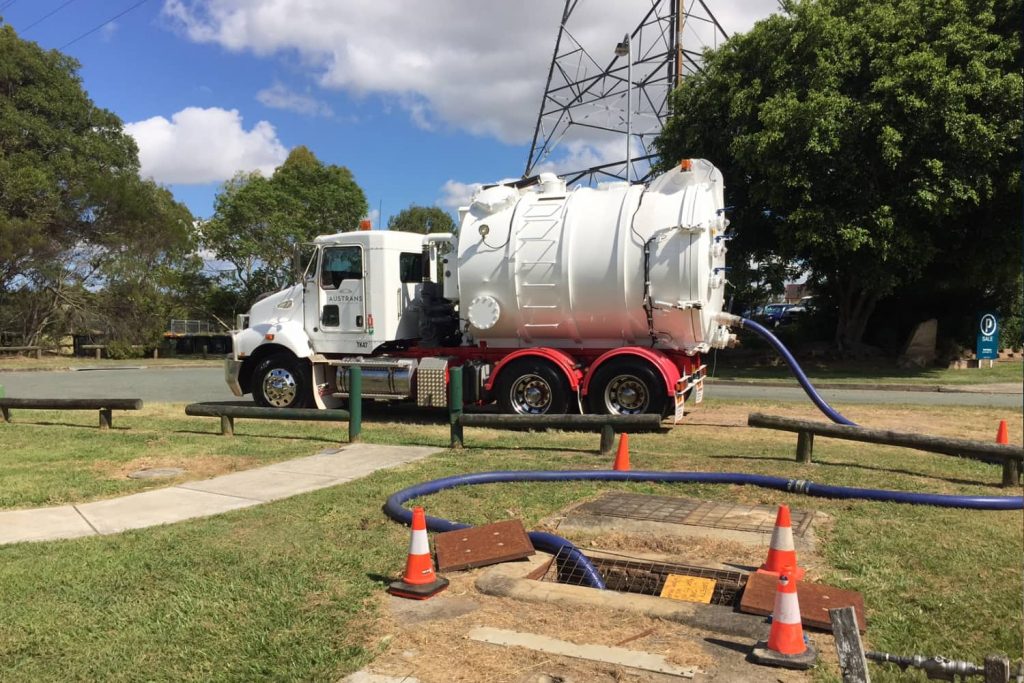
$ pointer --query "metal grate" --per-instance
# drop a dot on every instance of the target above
(627, 574)
(675, 510)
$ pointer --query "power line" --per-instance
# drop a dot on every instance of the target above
(44, 17)
(7, 4)
(97, 28)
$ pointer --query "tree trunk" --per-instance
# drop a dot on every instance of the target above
(856, 304)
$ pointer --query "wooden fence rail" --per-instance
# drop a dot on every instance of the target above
(607, 425)
(1009, 456)
(227, 412)
(103, 405)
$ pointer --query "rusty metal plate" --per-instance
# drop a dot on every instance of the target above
(482, 545)
(689, 511)
(816, 599)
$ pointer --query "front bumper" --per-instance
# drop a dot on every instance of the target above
(232, 369)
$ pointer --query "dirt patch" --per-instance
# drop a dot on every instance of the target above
(196, 467)
(700, 551)
(440, 652)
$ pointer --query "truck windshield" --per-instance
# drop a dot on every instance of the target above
(340, 263)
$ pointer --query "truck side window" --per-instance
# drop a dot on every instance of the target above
(340, 263)
(410, 266)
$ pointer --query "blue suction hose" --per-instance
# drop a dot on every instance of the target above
(798, 372)
(565, 550)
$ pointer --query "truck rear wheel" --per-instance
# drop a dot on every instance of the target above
(282, 381)
(624, 387)
(532, 387)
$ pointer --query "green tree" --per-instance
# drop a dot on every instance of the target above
(422, 219)
(258, 222)
(873, 142)
(77, 225)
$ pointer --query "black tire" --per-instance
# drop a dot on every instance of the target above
(627, 387)
(532, 387)
(282, 381)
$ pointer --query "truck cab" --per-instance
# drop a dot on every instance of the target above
(356, 293)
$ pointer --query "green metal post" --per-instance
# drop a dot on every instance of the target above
(455, 406)
(355, 403)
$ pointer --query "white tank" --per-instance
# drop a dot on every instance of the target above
(541, 266)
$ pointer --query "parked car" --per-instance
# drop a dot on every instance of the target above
(774, 313)
(791, 314)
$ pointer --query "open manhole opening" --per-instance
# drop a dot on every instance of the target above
(636, 575)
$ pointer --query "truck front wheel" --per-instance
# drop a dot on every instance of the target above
(282, 381)
(532, 387)
(623, 387)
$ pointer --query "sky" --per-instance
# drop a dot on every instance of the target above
(421, 101)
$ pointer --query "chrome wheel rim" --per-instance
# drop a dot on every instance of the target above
(279, 388)
(531, 395)
(626, 395)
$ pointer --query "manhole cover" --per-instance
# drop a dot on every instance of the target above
(157, 473)
(673, 510)
(482, 545)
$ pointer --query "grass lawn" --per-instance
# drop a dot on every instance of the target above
(61, 457)
(866, 371)
(14, 363)
(292, 590)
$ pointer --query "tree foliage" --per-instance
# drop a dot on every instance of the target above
(874, 143)
(84, 242)
(258, 222)
(422, 219)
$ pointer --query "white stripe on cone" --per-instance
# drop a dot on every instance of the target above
(782, 538)
(418, 544)
(787, 608)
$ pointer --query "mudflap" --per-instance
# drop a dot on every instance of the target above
(680, 401)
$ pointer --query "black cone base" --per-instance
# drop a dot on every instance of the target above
(418, 592)
(804, 660)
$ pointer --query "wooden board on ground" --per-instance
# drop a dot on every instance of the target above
(635, 659)
(480, 546)
(816, 599)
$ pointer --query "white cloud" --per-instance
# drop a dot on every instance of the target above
(280, 96)
(479, 67)
(374, 217)
(108, 31)
(455, 194)
(204, 145)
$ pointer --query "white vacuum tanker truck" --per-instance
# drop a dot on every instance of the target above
(551, 300)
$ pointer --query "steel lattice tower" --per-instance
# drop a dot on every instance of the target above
(584, 100)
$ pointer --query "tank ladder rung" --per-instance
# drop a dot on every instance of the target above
(537, 263)
(541, 324)
(537, 284)
(536, 306)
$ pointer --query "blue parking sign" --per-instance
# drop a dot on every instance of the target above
(988, 337)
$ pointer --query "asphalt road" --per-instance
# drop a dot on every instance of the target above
(180, 385)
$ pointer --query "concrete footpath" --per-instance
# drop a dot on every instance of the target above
(206, 497)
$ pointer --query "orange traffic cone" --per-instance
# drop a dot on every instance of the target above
(1003, 435)
(785, 646)
(781, 551)
(419, 581)
(622, 455)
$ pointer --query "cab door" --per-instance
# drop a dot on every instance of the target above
(342, 291)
